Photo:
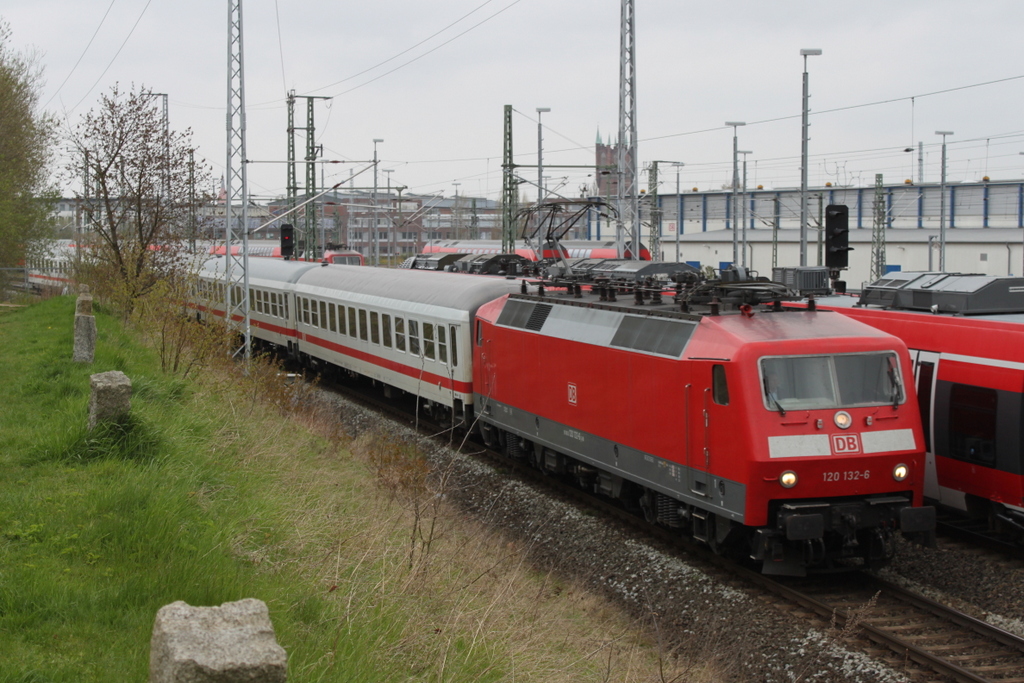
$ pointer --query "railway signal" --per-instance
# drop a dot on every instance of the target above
(287, 241)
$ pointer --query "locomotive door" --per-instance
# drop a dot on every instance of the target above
(926, 372)
(700, 467)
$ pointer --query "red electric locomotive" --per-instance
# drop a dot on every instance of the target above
(966, 339)
(788, 436)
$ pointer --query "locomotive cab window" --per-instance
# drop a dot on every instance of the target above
(825, 382)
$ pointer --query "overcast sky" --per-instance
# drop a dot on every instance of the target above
(431, 79)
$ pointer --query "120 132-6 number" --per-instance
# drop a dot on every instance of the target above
(850, 475)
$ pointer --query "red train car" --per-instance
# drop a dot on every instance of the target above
(966, 339)
(570, 249)
(791, 437)
(272, 249)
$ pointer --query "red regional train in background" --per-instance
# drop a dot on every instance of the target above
(272, 249)
(568, 249)
(966, 339)
(789, 437)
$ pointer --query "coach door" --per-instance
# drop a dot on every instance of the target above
(926, 371)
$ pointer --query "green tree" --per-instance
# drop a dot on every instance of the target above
(141, 196)
(26, 143)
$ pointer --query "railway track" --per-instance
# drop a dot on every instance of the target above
(911, 633)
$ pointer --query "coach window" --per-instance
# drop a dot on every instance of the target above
(341, 319)
(273, 304)
(323, 314)
(333, 315)
(314, 320)
(455, 351)
(442, 345)
(362, 324)
(305, 310)
(400, 334)
(719, 387)
(428, 340)
(352, 326)
(385, 328)
(414, 338)
(374, 327)
(972, 423)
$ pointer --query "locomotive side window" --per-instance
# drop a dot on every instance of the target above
(385, 328)
(972, 423)
(400, 334)
(428, 340)
(414, 338)
(374, 327)
(362, 324)
(719, 387)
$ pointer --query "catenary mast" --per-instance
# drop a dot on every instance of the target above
(626, 167)
(236, 189)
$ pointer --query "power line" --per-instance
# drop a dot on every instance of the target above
(89, 91)
(82, 56)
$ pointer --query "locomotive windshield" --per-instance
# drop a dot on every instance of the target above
(838, 381)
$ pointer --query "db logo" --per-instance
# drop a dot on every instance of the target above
(572, 394)
(845, 443)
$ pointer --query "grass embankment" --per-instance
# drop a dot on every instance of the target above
(210, 494)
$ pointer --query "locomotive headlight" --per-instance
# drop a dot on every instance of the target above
(788, 479)
(843, 419)
(900, 472)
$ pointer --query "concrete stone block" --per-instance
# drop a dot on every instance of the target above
(111, 397)
(231, 643)
(85, 339)
(83, 304)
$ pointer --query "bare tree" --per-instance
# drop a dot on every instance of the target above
(141, 192)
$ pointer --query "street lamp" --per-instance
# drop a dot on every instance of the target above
(540, 177)
(679, 208)
(743, 213)
(376, 245)
(942, 203)
(735, 184)
(389, 218)
(805, 53)
(456, 223)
